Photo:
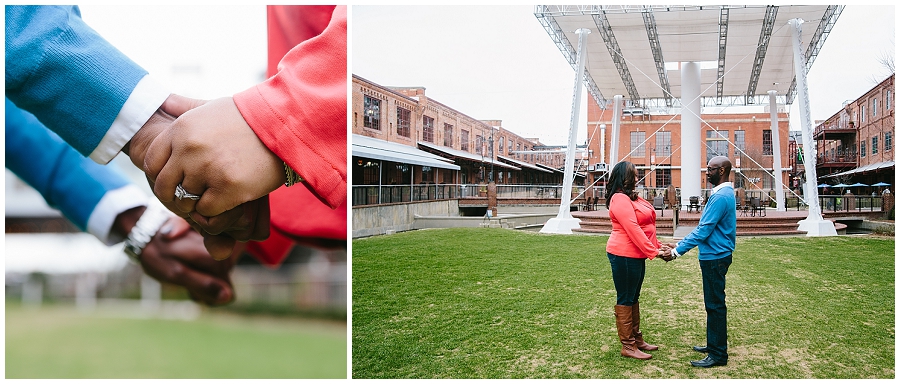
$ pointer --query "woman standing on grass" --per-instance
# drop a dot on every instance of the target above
(633, 240)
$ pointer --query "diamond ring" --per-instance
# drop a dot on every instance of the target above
(181, 194)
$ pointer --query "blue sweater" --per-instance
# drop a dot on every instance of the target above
(65, 73)
(68, 181)
(716, 233)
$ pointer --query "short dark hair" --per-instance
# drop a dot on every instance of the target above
(621, 180)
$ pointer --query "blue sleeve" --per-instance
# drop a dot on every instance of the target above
(68, 181)
(66, 74)
(715, 209)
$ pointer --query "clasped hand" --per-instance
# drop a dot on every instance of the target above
(665, 251)
(208, 149)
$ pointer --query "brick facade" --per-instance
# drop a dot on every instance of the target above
(381, 112)
(752, 163)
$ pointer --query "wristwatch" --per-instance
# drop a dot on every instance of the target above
(143, 231)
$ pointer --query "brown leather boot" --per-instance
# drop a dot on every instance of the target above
(623, 325)
(636, 330)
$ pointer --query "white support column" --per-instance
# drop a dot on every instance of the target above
(776, 153)
(564, 222)
(618, 106)
(813, 225)
(690, 132)
(602, 143)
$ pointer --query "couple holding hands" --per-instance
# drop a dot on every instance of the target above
(219, 164)
(633, 240)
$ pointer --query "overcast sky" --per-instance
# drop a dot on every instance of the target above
(497, 62)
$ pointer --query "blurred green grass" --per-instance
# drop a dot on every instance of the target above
(56, 341)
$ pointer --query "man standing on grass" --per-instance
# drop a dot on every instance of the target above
(715, 237)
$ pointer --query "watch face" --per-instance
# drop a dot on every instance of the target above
(133, 252)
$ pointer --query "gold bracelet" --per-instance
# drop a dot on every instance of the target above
(291, 176)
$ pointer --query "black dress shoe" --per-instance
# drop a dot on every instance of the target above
(707, 362)
(702, 349)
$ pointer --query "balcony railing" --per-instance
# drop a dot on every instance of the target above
(843, 158)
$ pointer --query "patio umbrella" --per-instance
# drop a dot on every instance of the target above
(841, 185)
(880, 184)
(858, 185)
(823, 185)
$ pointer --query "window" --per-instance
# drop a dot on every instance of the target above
(428, 129)
(716, 144)
(500, 146)
(887, 100)
(875, 107)
(479, 145)
(739, 140)
(464, 140)
(768, 182)
(875, 145)
(663, 145)
(637, 144)
(427, 175)
(767, 142)
(641, 174)
(518, 148)
(371, 112)
(663, 176)
(888, 141)
(403, 122)
(510, 148)
(863, 113)
(448, 135)
(862, 148)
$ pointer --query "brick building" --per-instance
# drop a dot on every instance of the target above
(406, 116)
(856, 144)
(653, 141)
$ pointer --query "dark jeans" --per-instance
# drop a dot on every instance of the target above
(628, 276)
(716, 313)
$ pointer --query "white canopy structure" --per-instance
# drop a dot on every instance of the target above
(744, 50)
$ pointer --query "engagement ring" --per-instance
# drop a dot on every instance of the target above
(181, 194)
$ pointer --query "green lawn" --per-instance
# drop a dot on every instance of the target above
(495, 303)
(58, 342)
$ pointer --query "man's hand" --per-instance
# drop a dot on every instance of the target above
(177, 255)
(212, 152)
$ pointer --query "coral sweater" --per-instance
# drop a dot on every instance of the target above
(634, 228)
(300, 113)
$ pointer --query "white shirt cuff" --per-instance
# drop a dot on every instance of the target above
(110, 206)
(674, 252)
(144, 100)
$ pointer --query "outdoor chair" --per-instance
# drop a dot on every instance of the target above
(659, 204)
(694, 203)
(755, 207)
(744, 206)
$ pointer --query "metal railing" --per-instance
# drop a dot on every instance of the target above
(386, 194)
(844, 203)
